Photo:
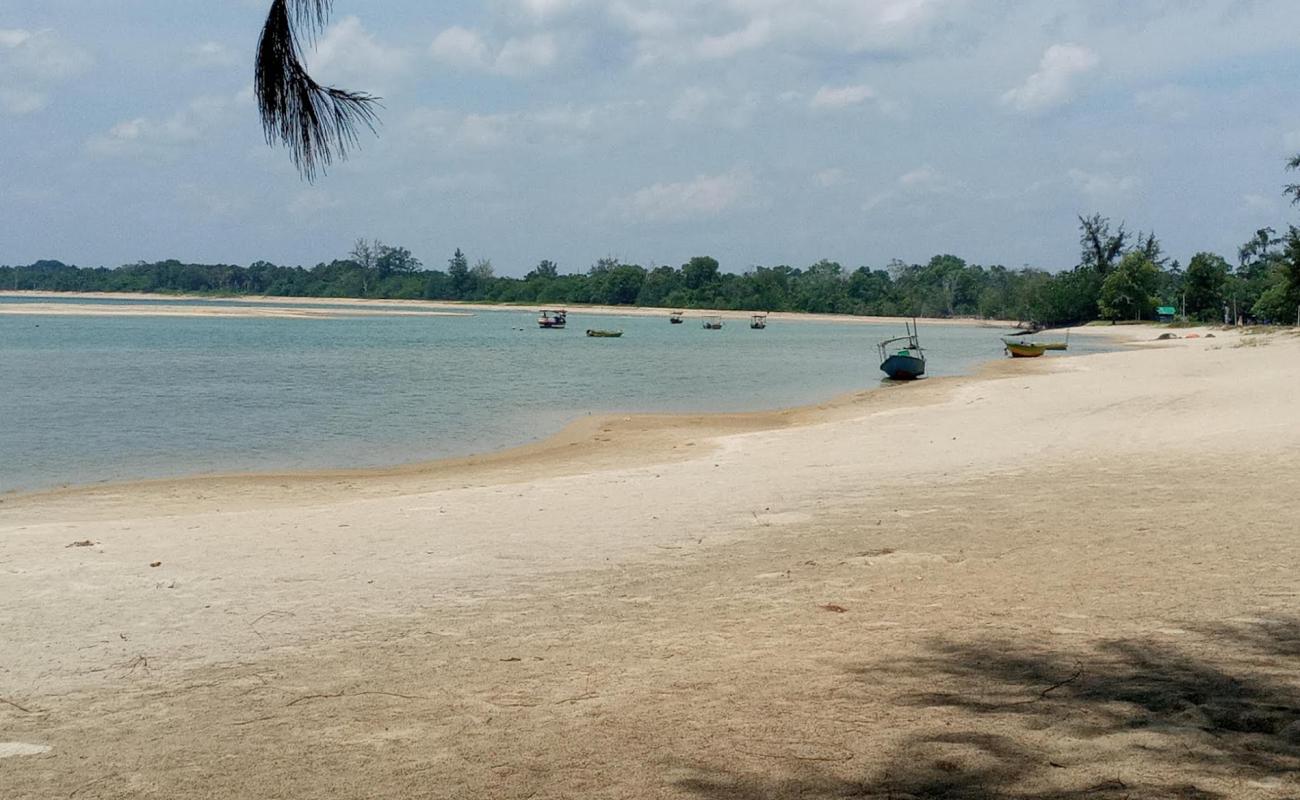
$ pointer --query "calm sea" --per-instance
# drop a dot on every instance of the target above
(93, 399)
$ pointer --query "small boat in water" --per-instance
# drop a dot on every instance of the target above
(675, 318)
(758, 322)
(598, 334)
(552, 319)
(902, 357)
(713, 322)
(1023, 349)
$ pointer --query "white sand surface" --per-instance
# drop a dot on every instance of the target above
(1061, 577)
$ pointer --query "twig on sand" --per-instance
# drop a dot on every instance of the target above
(841, 757)
(252, 721)
(335, 695)
(1078, 673)
(9, 702)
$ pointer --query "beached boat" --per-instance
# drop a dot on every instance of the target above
(599, 334)
(552, 319)
(675, 318)
(713, 323)
(1023, 349)
(902, 357)
(758, 322)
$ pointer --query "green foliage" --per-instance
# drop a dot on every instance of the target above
(1205, 285)
(1129, 291)
(1280, 300)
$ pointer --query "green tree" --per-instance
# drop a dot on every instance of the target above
(545, 270)
(1207, 278)
(700, 272)
(458, 272)
(1129, 291)
(396, 260)
(1099, 248)
(1280, 302)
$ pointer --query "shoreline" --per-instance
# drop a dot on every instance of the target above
(585, 441)
(470, 308)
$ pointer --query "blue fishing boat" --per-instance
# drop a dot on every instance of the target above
(902, 358)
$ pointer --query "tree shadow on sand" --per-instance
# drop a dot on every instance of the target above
(1216, 717)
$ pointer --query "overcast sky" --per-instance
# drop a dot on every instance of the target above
(756, 131)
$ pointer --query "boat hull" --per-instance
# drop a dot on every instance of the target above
(903, 368)
(1025, 350)
(1055, 346)
(605, 334)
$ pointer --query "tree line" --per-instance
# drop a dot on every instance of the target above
(1119, 277)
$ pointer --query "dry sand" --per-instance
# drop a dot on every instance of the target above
(1065, 578)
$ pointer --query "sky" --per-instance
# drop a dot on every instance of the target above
(760, 132)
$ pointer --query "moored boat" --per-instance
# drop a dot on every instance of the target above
(902, 358)
(599, 334)
(713, 322)
(675, 318)
(758, 322)
(552, 319)
(1023, 349)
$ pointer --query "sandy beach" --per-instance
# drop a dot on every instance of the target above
(198, 305)
(1063, 578)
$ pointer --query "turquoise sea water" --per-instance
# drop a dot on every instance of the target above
(92, 399)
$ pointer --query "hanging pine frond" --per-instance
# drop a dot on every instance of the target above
(318, 124)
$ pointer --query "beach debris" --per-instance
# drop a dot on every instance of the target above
(14, 749)
(12, 704)
(833, 608)
(155, 563)
(510, 660)
(1164, 336)
(82, 543)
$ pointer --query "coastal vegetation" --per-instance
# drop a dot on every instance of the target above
(1118, 277)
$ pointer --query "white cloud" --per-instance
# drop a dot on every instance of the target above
(213, 54)
(522, 56)
(925, 179)
(518, 57)
(546, 9)
(1103, 185)
(350, 52)
(829, 97)
(19, 102)
(154, 136)
(828, 178)
(1053, 84)
(712, 107)
(703, 196)
(41, 55)
(460, 47)
(32, 63)
(924, 182)
(751, 37)
(1259, 204)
